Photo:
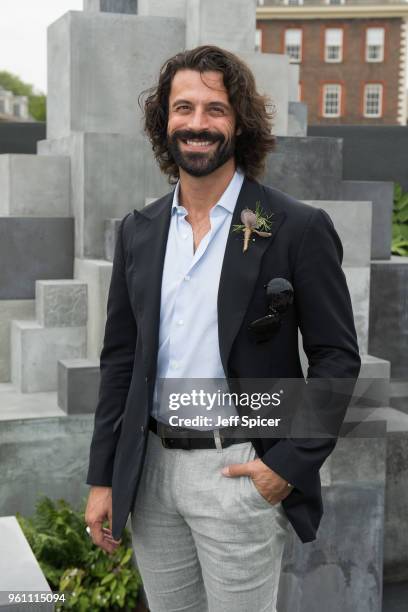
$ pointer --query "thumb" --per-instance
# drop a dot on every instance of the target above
(237, 469)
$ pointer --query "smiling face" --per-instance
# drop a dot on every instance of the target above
(201, 127)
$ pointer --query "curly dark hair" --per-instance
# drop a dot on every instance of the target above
(251, 108)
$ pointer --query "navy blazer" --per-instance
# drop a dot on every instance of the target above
(305, 249)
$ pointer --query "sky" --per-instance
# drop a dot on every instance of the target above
(23, 36)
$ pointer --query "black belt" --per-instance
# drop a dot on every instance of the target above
(185, 441)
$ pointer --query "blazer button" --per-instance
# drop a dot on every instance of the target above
(142, 428)
(146, 379)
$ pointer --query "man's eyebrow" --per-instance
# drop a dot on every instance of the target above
(180, 102)
(212, 103)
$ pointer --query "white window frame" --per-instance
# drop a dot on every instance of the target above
(258, 40)
(326, 86)
(381, 58)
(293, 2)
(340, 46)
(294, 60)
(335, 3)
(380, 103)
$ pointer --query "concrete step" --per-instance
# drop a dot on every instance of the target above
(59, 332)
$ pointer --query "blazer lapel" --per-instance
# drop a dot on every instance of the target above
(240, 270)
(149, 249)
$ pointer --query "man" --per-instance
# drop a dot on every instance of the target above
(210, 515)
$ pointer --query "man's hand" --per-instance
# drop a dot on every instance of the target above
(270, 485)
(98, 510)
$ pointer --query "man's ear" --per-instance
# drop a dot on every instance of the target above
(238, 131)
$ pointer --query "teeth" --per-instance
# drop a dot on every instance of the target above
(198, 143)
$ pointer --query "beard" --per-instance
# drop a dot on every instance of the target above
(200, 163)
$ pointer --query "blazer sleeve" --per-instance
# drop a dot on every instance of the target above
(116, 367)
(325, 319)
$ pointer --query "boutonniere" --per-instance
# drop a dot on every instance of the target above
(253, 222)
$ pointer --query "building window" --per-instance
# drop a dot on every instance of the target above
(258, 40)
(334, 2)
(16, 110)
(331, 100)
(374, 44)
(294, 2)
(293, 44)
(2, 106)
(373, 100)
(333, 45)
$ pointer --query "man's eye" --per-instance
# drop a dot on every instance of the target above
(183, 107)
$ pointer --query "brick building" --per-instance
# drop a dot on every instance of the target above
(351, 56)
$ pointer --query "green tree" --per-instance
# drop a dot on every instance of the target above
(36, 101)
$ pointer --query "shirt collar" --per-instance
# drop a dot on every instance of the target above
(228, 199)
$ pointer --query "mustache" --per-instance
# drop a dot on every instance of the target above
(191, 135)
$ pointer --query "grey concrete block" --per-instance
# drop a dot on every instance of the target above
(358, 282)
(33, 248)
(98, 64)
(381, 194)
(9, 310)
(35, 351)
(294, 77)
(388, 332)
(78, 385)
(61, 303)
(128, 7)
(396, 534)
(307, 168)
(341, 570)
(19, 569)
(399, 395)
(162, 8)
(111, 231)
(31, 186)
(97, 274)
(352, 221)
(297, 119)
(271, 72)
(111, 174)
(206, 24)
(360, 459)
(46, 456)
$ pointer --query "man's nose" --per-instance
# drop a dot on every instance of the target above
(198, 120)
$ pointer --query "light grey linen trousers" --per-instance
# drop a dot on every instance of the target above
(205, 542)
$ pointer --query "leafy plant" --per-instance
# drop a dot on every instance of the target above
(36, 101)
(399, 244)
(90, 578)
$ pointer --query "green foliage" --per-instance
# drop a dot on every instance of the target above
(399, 244)
(90, 578)
(36, 101)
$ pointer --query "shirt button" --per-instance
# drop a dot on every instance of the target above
(187, 277)
(175, 365)
(181, 322)
(184, 236)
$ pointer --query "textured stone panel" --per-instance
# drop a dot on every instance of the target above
(61, 303)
